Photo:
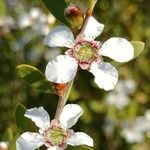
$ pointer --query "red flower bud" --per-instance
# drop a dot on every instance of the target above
(59, 88)
(74, 15)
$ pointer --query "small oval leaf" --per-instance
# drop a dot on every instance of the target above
(23, 124)
(34, 78)
(138, 48)
(57, 8)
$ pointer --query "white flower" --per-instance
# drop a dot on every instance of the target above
(134, 131)
(54, 135)
(109, 126)
(119, 97)
(147, 114)
(35, 18)
(86, 53)
(126, 86)
(132, 136)
(120, 101)
(7, 23)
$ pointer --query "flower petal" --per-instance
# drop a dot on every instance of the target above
(29, 141)
(55, 148)
(70, 115)
(118, 49)
(93, 29)
(39, 116)
(61, 36)
(61, 69)
(106, 76)
(80, 138)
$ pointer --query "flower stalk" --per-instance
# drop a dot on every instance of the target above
(63, 99)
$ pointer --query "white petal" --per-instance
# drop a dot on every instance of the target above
(118, 49)
(61, 36)
(93, 29)
(39, 116)
(106, 76)
(80, 138)
(70, 115)
(61, 69)
(29, 141)
(55, 148)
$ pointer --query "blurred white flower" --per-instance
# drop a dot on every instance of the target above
(4, 145)
(37, 20)
(109, 126)
(120, 101)
(134, 131)
(51, 19)
(54, 135)
(24, 20)
(87, 53)
(119, 97)
(126, 86)
(7, 23)
(147, 114)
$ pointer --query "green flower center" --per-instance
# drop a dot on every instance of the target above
(55, 136)
(85, 52)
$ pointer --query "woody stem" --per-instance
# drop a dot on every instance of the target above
(63, 99)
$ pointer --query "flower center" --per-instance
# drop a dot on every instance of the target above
(85, 52)
(55, 136)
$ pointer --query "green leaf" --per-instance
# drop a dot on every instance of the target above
(2, 8)
(57, 8)
(79, 148)
(138, 48)
(8, 135)
(23, 124)
(34, 78)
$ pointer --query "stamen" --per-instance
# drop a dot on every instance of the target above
(55, 136)
(85, 51)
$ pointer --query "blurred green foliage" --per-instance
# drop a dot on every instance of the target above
(125, 18)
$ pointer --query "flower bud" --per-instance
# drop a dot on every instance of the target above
(59, 88)
(74, 15)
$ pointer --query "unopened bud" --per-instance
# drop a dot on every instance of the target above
(59, 88)
(74, 15)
